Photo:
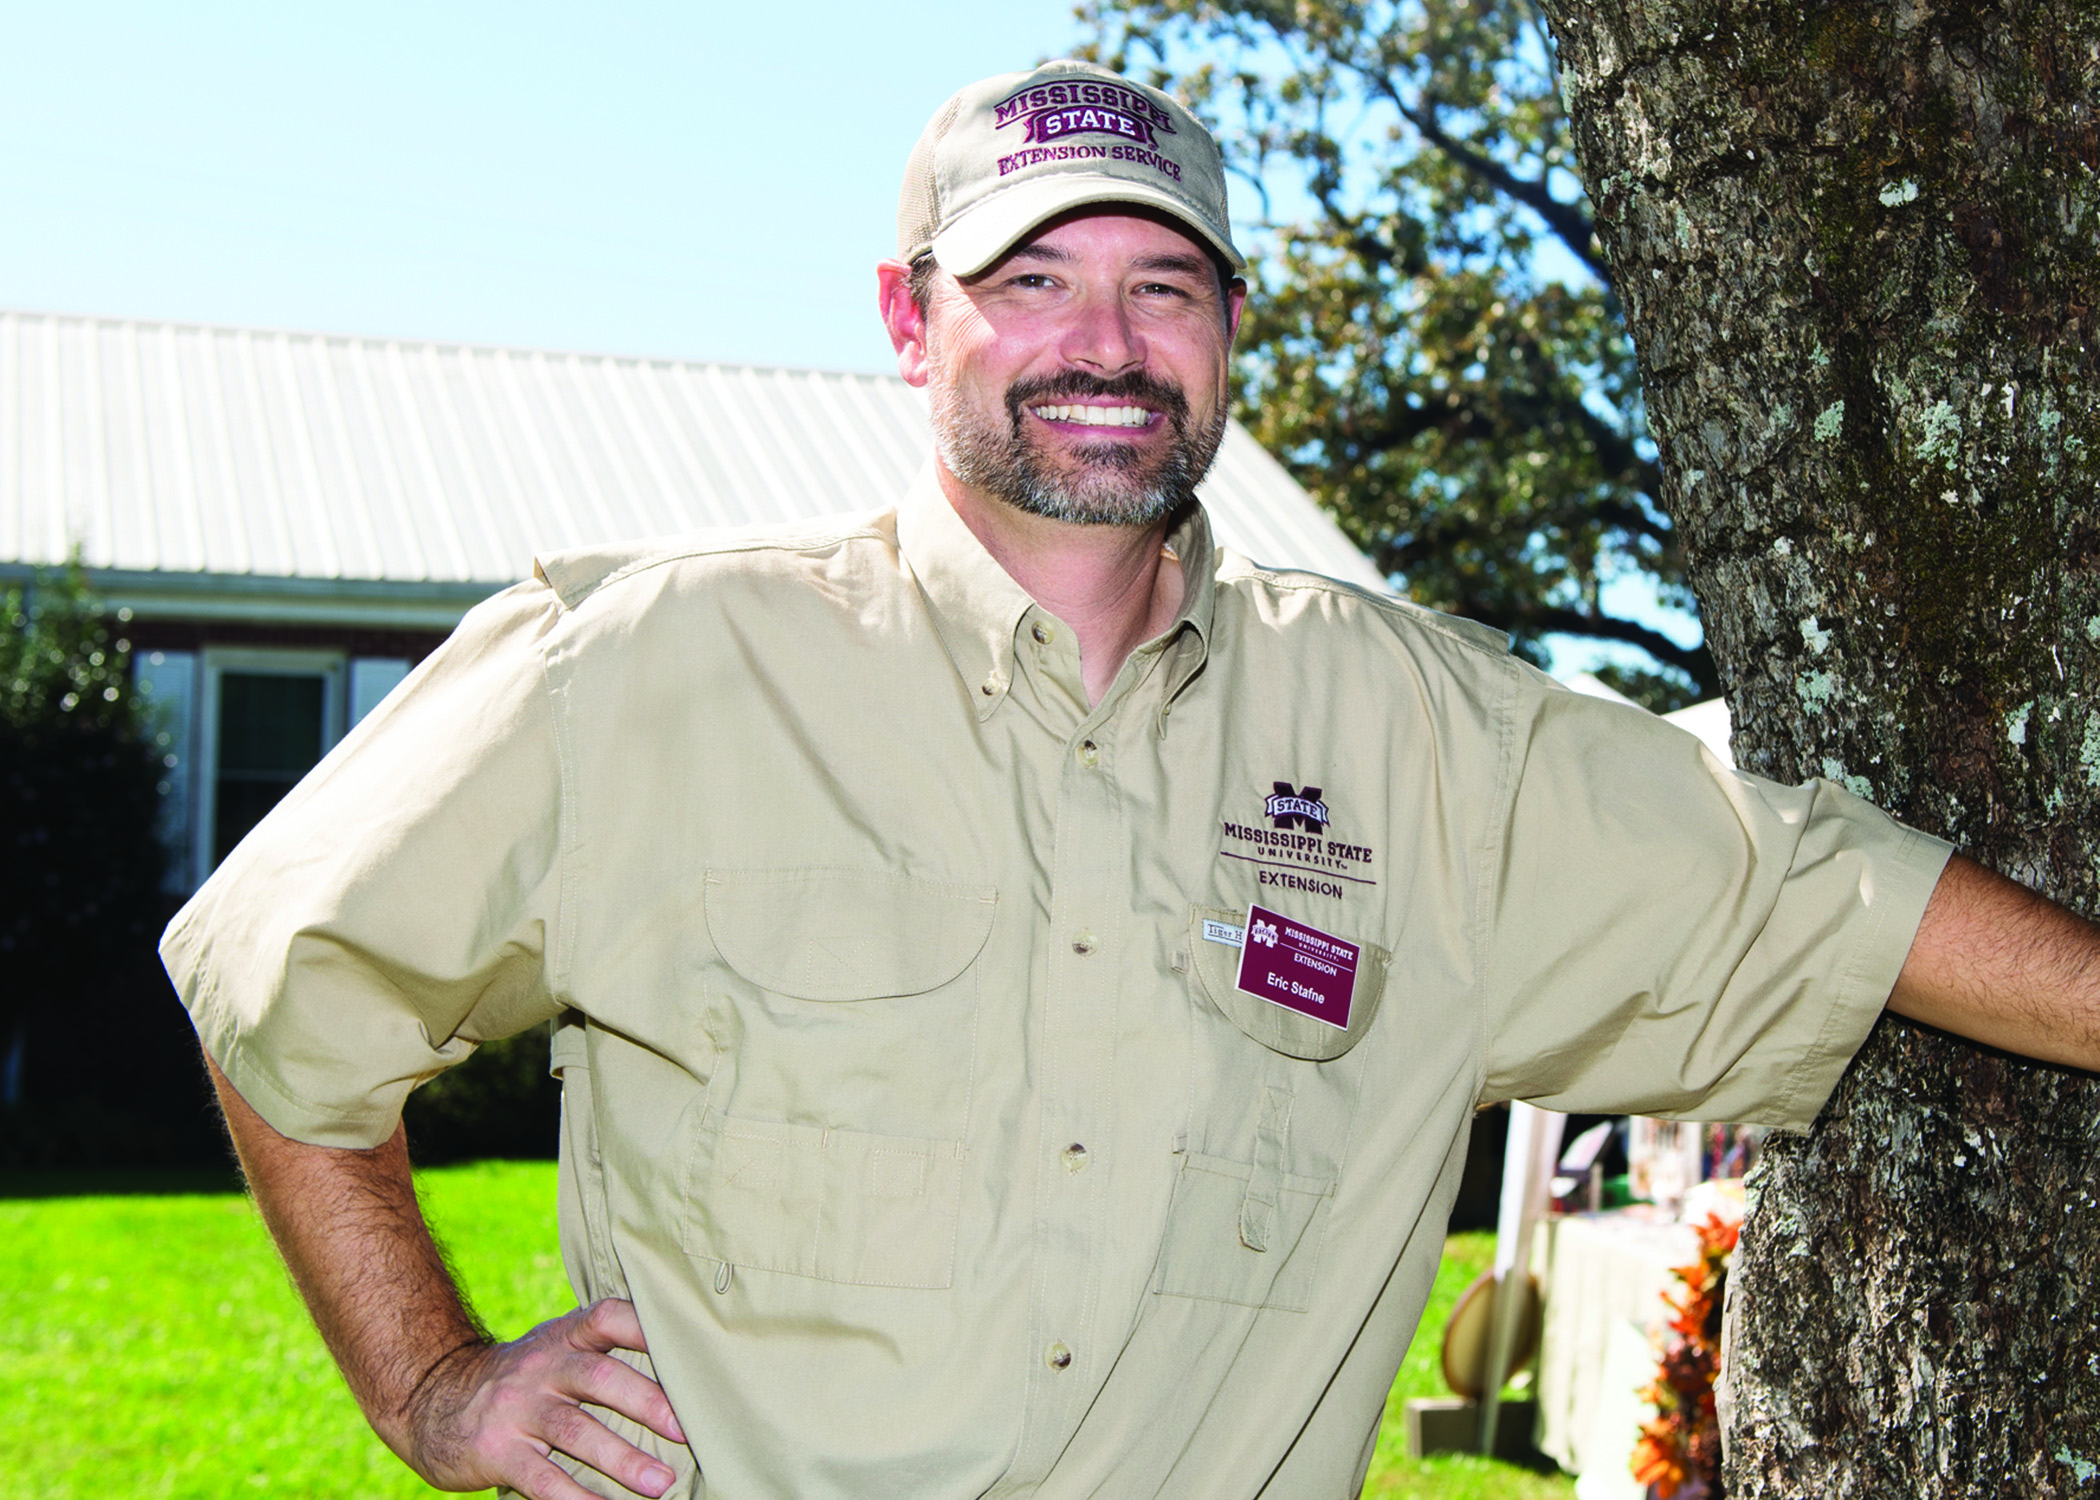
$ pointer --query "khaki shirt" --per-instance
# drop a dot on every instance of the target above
(911, 1089)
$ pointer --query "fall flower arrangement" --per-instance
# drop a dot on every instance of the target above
(1679, 1454)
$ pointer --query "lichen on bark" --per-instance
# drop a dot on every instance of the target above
(1856, 243)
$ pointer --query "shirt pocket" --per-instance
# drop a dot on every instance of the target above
(1273, 1098)
(842, 1008)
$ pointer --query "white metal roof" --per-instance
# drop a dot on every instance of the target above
(306, 475)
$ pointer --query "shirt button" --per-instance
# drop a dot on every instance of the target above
(1076, 1157)
(1041, 632)
(1083, 944)
(1057, 1357)
(1089, 752)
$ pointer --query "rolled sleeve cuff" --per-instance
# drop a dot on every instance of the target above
(1902, 875)
(242, 1055)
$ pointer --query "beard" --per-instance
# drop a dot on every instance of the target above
(1108, 483)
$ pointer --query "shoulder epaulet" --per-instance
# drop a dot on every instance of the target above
(579, 572)
(1470, 632)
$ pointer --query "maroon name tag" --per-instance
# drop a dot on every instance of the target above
(1297, 967)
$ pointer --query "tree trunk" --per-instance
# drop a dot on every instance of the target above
(1856, 241)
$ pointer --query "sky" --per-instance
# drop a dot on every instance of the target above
(694, 180)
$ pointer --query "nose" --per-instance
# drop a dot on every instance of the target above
(1102, 337)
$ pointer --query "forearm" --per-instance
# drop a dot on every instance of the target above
(1998, 964)
(354, 1239)
(464, 1412)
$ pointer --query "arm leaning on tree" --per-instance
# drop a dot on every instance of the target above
(1996, 963)
(462, 1410)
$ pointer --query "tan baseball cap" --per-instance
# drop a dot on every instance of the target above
(1008, 153)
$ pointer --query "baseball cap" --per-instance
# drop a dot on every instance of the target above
(1010, 152)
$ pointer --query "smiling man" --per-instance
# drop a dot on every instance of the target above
(1021, 976)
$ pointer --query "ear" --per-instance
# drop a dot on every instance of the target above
(901, 316)
(1235, 304)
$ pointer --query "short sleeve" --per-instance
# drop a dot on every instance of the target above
(1670, 937)
(394, 909)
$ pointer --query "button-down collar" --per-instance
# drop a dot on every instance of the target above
(979, 611)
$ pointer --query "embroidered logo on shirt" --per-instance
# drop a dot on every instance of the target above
(1292, 852)
(1293, 809)
(1298, 967)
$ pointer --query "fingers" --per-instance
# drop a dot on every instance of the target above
(500, 1413)
(608, 1323)
(582, 1436)
(613, 1324)
(516, 1453)
(542, 1479)
(622, 1388)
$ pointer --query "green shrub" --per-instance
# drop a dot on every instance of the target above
(93, 1066)
(500, 1102)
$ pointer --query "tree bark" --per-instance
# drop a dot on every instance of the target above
(1857, 246)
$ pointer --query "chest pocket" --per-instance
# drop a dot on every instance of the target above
(842, 1008)
(1274, 1094)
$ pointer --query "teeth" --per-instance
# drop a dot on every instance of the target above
(1095, 416)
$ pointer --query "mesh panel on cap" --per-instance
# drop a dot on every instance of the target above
(918, 205)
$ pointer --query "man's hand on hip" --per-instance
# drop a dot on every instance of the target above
(463, 1410)
(490, 1414)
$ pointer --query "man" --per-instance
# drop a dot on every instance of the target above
(1022, 979)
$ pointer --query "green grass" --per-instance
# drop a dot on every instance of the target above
(1448, 1476)
(151, 1348)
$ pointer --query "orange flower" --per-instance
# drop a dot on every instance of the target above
(1682, 1440)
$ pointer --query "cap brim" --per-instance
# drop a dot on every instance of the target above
(988, 230)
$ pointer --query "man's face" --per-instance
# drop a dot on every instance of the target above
(1083, 376)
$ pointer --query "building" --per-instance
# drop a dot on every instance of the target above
(294, 520)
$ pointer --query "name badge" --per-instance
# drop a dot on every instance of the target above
(1298, 967)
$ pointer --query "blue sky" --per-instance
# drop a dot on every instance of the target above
(698, 180)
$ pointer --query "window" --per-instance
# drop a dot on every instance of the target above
(372, 678)
(168, 680)
(238, 728)
(269, 717)
(272, 726)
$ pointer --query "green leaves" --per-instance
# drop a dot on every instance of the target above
(1433, 347)
(80, 867)
(61, 663)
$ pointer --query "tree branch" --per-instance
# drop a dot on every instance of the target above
(1693, 661)
(1566, 220)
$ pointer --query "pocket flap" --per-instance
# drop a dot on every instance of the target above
(1217, 966)
(845, 934)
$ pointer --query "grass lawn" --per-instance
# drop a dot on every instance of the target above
(1448, 1476)
(151, 1348)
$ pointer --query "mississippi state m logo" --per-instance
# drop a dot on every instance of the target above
(1290, 808)
(1050, 112)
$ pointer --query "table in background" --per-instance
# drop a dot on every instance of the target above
(1603, 1277)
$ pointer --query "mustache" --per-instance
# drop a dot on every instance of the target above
(1069, 384)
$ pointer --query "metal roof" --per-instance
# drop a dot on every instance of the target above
(238, 471)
